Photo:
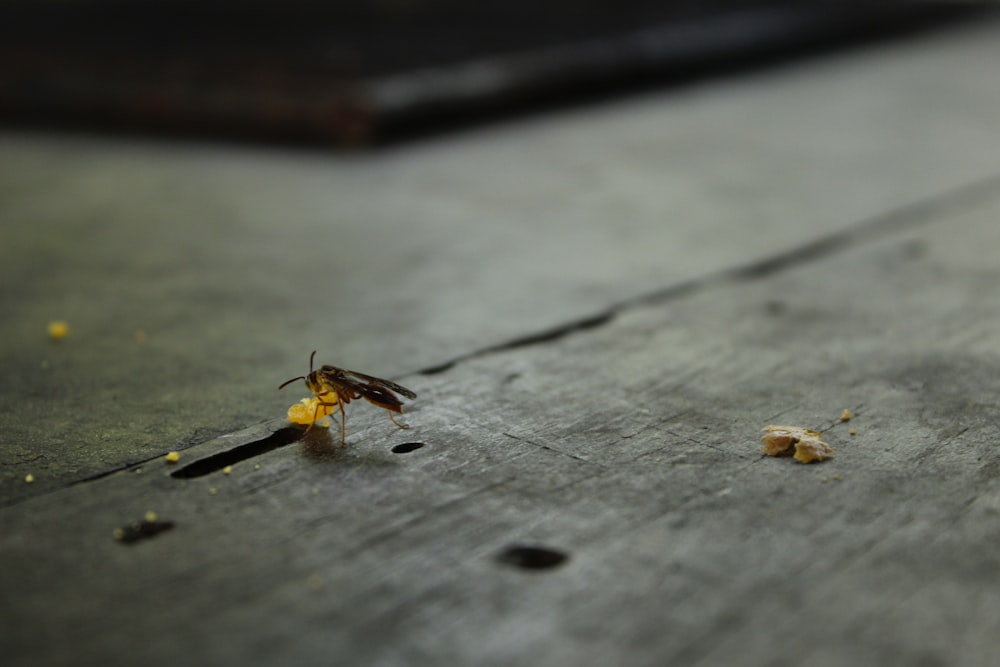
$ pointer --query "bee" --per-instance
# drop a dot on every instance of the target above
(335, 387)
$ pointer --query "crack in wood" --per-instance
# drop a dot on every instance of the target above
(216, 462)
(544, 336)
(907, 216)
(553, 450)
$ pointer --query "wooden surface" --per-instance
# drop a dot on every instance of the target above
(235, 263)
(727, 275)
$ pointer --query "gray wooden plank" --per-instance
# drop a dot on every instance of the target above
(632, 447)
(235, 263)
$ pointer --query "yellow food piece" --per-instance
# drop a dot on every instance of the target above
(808, 444)
(58, 330)
(213, 491)
(151, 516)
(808, 451)
(853, 431)
(304, 411)
(29, 478)
(846, 415)
(173, 457)
(227, 470)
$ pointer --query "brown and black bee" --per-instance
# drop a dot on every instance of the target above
(336, 387)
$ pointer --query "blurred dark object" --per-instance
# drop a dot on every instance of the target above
(352, 73)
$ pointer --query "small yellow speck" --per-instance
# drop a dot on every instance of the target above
(846, 415)
(213, 491)
(119, 534)
(58, 330)
(173, 457)
(228, 470)
(29, 478)
(824, 479)
(853, 431)
(151, 516)
(837, 477)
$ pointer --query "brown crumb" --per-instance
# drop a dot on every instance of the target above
(808, 444)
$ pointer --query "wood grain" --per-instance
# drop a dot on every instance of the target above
(631, 448)
(614, 420)
(195, 278)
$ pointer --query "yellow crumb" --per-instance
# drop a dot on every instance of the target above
(151, 516)
(808, 451)
(808, 444)
(838, 477)
(846, 415)
(227, 470)
(213, 491)
(853, 431)
(307, 411)
(58, 330)
(29, 478)
(173, 457)
(119, 533)
(256, 466)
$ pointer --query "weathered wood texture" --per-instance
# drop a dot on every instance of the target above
(633, 448)
(234, 264)
(629, 445)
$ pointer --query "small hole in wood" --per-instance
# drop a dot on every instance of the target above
(527, 557)
(407, 447)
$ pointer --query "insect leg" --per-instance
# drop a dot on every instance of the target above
(313, 422)
(343, 424)
(396, 422)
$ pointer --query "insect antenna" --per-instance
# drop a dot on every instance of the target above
(301, 377)
(288, 382)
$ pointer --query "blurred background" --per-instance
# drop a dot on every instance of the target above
(357, 73)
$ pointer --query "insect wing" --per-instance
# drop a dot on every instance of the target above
(360, 379)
